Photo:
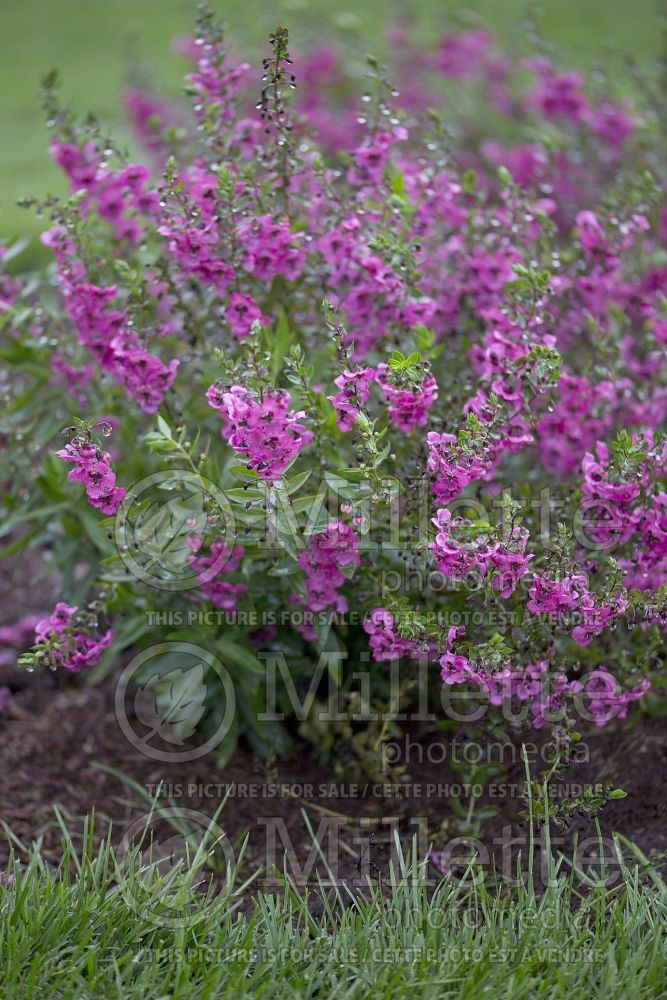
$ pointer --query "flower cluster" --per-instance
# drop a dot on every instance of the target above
(571, 597)
(330, 553)
(577, 422)
(69, 641)
(271, 248)
(408, 406)
(353, 392)
(548, 692)
(107, 331)
(545, 690)
(453, 467)
(92, 468)
(265, 430)
(458, 557)
(457, 668)
(383, 639)
(606, 700)
(223, 558)
(242, 312)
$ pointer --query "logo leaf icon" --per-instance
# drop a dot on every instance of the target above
(171, 705)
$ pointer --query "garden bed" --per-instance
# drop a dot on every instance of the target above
(57, 736)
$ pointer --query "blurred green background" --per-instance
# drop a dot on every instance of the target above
(90, 41)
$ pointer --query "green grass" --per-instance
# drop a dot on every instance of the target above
(118, 930)
(87, 40)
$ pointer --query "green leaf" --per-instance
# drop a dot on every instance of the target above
(296, 482)
(164, 427)
(240, 657)
(245, 474)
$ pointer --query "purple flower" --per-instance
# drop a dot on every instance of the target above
(263, 429)
(91, 467)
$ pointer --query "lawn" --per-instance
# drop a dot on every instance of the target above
(88, 937)
(90, 41)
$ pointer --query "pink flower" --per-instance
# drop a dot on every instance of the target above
(554, 597)
(408, 407)
(605, 699)
(106, 332)
(72, 645)
(591, 232)
(91, 467)
(353, 392)
(242, 312)
(462, 55)
(222, 593)
(457, 669)
(271, 248)
(451, 470)
(263, 429)
(373, 155)
(385, 644)
(328, 552)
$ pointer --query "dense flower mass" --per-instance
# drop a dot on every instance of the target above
(436, 343)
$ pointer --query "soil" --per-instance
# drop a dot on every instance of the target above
(56, 735)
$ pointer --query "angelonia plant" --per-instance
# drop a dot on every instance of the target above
(374, 372)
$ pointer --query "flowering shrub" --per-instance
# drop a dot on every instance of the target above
(435, 345)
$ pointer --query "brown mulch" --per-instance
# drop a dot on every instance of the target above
(54, 732)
